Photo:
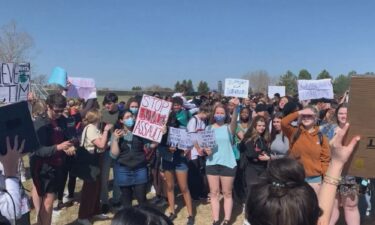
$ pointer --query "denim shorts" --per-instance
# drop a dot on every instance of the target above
(124, 176)
(179, 163)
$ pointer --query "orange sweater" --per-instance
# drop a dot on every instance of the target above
(307, 148)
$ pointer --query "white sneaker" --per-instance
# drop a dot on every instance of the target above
(84, 221)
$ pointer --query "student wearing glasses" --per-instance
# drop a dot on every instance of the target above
(46, 162)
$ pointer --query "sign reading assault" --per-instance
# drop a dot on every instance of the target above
(14, 82)
(152, 116)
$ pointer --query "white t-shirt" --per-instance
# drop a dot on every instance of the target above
(194, 125)
(89, 135)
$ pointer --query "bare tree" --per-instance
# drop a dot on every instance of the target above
(15, 45)
(259, 81)
(40, 79)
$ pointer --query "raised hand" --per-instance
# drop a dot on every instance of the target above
(10, 160)
(339, 152)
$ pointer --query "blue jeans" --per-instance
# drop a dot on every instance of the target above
(106, 167)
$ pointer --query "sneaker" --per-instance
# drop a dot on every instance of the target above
(59, 206)
(367, 212)
(84, 221)
(216, 223)
(105, 208)
(172, 216)
(68, 201)
(226, 222)
(190, 220)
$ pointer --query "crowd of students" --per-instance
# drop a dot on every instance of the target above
(280, 158)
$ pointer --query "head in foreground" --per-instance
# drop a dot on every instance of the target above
(140, 215)
(283, 197)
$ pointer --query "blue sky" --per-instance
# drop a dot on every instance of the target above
(125, 43)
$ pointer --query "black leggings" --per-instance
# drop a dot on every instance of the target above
(139, 192)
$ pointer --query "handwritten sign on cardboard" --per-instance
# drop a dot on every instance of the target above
(14, 82)
(272, 90)
(152, 116)
(361, 118)
(315, 89)
(180, 138)
(236, 88)
(207, 138)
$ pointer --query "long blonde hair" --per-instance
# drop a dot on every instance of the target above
(92, 117)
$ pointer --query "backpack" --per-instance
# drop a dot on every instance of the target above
(298, 133)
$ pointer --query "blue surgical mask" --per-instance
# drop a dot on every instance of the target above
(134, 110)
(219, 118)
(129, 122)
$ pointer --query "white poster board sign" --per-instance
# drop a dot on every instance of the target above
(207, 138)
(236, 88)
(315, 89)
(14, 82)
(152, 116)
(180, 138)
(272, 90)
(81, 88)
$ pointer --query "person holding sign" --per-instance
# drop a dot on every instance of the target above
(174, 162)
(308, 144)
(197, 180)
(130, 170)
(347, 195)
(221, 163)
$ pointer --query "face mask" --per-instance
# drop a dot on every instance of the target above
(129, 122)
(219, 118)
(134, 110)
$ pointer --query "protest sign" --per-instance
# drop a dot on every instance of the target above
(236, 88)
(180, 138)
(272, 90)
(315, 89)
(152, 116)
(14, 82)
(58, 77)
(15, 119)
(207, 138)
(361, 118)
(81, 88)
